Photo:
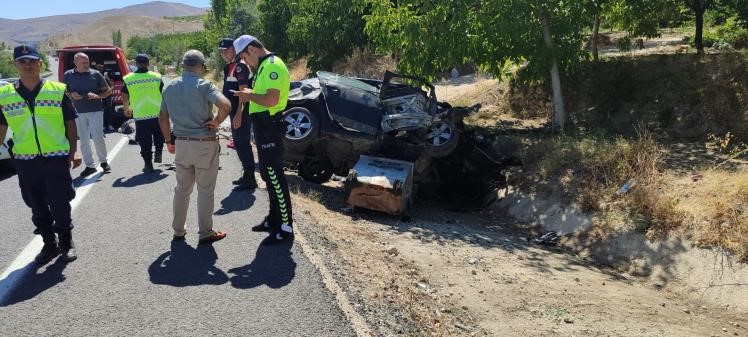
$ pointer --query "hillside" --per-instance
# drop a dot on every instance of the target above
(39, 29)
(101, 30)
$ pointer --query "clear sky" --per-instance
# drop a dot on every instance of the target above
(25, 9)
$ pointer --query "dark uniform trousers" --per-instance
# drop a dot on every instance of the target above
(243, 147)
(148, 134)
(269, 133)
(47, 188)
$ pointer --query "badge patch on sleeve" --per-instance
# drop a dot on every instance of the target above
(273, 76)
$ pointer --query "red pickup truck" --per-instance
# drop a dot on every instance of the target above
(114, 64)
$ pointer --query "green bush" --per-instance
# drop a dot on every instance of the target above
(734, 33)
(7, 69)
(710, 37)
(624, 43)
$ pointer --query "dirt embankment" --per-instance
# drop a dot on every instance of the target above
(443, 273)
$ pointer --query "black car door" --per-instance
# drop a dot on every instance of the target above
(353, 104)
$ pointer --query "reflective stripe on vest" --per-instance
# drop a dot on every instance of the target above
(144, 93)
(45, 125)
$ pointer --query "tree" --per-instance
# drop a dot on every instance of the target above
(595, 7)
(275, 16)
(243, 18)
(7, 68)
(699, 7)
(326, 30)
(430, 36)
(217, 21)
(168, 48)
(741, 9)
(117, 38)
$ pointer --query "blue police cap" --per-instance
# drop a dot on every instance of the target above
(225, 43)
(25, 52)
(141, 58)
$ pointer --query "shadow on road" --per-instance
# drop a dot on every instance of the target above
(6, 175)
(34, 282)
(184, 266)
(79, 181)
(140, 179)
(236, 201)
(273, 266)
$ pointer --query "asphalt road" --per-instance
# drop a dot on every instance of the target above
(131, 280)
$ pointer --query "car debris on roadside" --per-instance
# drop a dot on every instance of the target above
(332, 121)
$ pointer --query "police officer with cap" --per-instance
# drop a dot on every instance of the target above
(141, 97)
(42, 119)
(236, 77)
(267, 100)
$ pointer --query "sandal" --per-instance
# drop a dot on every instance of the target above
(217, 235)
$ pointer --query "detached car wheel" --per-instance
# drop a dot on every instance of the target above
(315, 170)
(442, 139)
(302, 125)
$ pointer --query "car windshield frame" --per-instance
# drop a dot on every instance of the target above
(345, 81)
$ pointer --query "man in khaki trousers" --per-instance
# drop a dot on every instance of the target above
(188, 102)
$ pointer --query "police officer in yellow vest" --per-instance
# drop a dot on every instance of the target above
(42, 119)
(267, 100)
(141, 97)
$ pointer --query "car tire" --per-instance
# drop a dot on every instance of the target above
(302, 126)
(315, 170)
(442, 139)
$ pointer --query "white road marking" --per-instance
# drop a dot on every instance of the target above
(21, 265)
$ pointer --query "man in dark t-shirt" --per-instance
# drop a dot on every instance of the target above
(87, 88)
(236, 76)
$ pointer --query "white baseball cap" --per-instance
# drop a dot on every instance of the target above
(242, 42)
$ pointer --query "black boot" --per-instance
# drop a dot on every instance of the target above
(49, 250)
(157, 157)
(148, 168)
(240, 180)
(248, 182)
(265, 226)
(67, 247)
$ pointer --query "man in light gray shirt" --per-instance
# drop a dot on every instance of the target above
(188, 102)
(87, 88)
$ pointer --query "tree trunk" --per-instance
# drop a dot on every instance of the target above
(699, 36)
(559, 115)
(595, 34)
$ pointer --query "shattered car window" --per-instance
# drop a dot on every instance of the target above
(305, 89)
(343, 81)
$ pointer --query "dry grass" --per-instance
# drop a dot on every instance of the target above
(711, 211)
(366, 64)
(298, 69)
(717, 206)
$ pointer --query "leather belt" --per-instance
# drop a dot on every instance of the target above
(204, 139)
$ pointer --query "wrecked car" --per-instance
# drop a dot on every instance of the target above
(331, 120)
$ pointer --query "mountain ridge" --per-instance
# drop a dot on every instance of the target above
(42, 28)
